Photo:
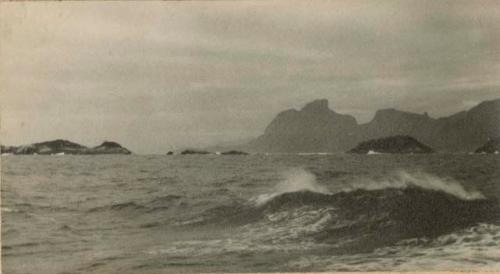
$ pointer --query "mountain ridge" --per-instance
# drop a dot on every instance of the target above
(317, 128)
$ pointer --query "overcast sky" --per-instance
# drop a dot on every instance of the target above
(155, 76)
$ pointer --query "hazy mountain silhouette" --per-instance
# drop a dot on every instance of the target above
(316, 128)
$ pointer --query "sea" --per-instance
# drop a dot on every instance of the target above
(254, 213)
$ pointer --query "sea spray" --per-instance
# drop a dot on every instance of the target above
(404, 179)
(301, 214)
(299, 179)
(294, 180)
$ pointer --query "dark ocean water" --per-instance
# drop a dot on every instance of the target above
(171, 214)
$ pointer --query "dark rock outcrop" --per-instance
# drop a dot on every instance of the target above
(193, 151)
(170, 153)
(234, 152)
(316, 128)
(394, 144)
(60, 146)
(7, 149)
(108, 147)
(52, 147)
(492, 146)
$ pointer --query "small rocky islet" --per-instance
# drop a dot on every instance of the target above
(492, 146)
(204, 152)
(400, 144)
(194, 151)
(64, 147)
(234, 152)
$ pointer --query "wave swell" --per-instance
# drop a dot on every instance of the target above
(369, 215)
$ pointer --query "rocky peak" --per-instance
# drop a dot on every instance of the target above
(320, 105)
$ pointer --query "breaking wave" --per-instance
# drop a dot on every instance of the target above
(403, 179)
(294, 180)
(302, 180)
(366, 215)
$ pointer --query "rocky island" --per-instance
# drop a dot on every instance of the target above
(234, 152)
(108, 147)
(491, 147)
(194, 151)
(63, 147)
(400, 144)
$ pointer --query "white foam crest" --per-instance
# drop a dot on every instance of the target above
(294, 180)
(299, 179)
(403, 179)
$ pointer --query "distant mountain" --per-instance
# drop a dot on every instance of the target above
(492, 146)
(316, 128)
(65, 147)
(467, 130)
(391, 122)
(400, 144)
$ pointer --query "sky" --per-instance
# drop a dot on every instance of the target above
(156, 76)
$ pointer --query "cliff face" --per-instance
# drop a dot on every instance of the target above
(65, 147)
(316, 128)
